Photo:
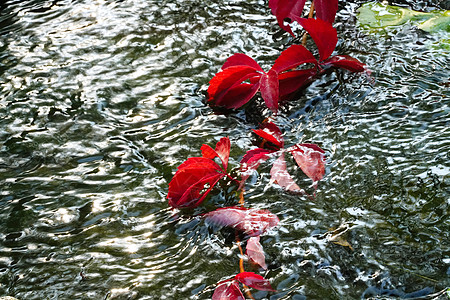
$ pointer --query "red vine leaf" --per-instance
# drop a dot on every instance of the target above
(240, 59)
(326, 9)
(323, 34)
(251, 161)
(228, 291)
(222, 151)
(270, 90)
(227, 89)
(345, 62)
(281, 176)
(271, 133)
(252, 222)
(255, 252)
(310, 158)
(192, 182)
(290, 82)
(293, 57)
(254, 280)
(283, 9)
(197, 176)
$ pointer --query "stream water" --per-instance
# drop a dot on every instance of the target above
(101, 100)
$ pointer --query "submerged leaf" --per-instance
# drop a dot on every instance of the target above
(311, 159)
(255, 252)
(228, 291)
(280, 175)
(254, 280)
(251, 161)
(252, 222)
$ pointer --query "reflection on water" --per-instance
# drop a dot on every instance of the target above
(101, 100)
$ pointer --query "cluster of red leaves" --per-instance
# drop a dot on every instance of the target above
(197, 176)
(291, 10)
(309, 157)
(242, 77)
(229, 289)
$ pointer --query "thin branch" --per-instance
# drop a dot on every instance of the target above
(310, 15)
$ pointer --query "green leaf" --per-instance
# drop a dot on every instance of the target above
(375, 16)
(436, 23)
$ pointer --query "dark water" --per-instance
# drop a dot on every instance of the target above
(100, 101)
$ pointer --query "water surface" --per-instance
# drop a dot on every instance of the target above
(100, 101)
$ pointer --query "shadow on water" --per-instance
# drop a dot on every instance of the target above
(101, 100)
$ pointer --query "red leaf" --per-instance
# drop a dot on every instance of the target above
(323, 34)
(189, 186)
(240, 59)
(283, 9)
(255, 252)
(197, 176)
(252, 222)
(227, 79)
(222, 151)
(251, 161)
(326, 9)
(270, 90)
(345, 62)
(228, 291)
(311, 159)
(281, 176)
(254, 280)
(292, 57)
(238, 95)
(271, 133)
(294, 80)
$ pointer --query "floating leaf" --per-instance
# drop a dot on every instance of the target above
(255, 253)
(293, 57)
(270, 90)
(376, 16)
(254, 280)
(345, 62)
(227, 85)
(326, 9)
(197, 176)
(271, 133)
(228, 291)
(323, 34)
(286, 9)
(291, 82)
(222, 151)
(252, 222)
(240, 59)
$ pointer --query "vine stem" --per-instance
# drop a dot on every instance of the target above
(241, 266)
(310, 15)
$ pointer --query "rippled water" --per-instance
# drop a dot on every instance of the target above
(100, 101)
